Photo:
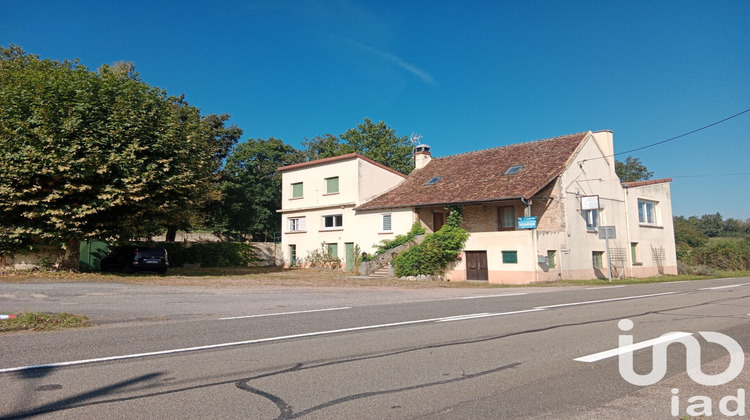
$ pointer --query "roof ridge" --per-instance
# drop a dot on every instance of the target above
(514, 145)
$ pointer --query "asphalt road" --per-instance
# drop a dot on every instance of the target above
(268, 353)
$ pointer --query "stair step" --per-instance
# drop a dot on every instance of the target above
(380, 272)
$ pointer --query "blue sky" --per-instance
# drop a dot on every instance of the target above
(464, 75)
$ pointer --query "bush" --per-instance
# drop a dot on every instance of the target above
(722, 255)
(211, 254)
(320, 258)
(436, 252)
(387, 244)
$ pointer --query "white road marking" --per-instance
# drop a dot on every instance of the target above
(485, 315)
(604, 287)
(603, 300)
(725, 287)
(633, 347)
(285, 313)
(492, 296)
(236, 343)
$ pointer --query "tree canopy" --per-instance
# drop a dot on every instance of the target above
(251, 185)
(632, 170)
(375, 141)
(100, 154)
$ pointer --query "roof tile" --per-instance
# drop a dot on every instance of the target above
(480, 176)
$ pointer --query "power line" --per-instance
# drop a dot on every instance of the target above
(685, 134)
(671, 138)
(710, 175)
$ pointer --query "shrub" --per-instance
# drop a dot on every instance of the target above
(387, 244)
(211, 254)
(320, 258)
(437, 250)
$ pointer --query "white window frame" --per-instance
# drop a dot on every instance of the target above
(383, 218)
(592, 219)
(646, 217)
(297, 224)
(334, 218)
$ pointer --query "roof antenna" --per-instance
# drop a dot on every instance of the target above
(414, 139)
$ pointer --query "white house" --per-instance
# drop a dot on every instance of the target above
(534, 210)
(317, 208)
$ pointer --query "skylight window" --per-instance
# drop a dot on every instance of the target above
(513, 169)
(433, 180)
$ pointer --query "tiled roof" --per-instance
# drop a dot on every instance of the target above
(646, 182)
(337, 159)
(480, 176)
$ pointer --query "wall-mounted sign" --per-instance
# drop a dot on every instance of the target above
(527, 222)
(590, 202)
(607, 232)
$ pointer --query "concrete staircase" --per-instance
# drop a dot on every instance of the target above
(381, 272)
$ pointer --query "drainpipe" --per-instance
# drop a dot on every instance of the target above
(534, 264)
(628, 248)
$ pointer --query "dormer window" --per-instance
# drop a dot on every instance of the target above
(433, 180)
(513, 169)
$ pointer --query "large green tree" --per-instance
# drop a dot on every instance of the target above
(102, 155)
(375, 141)
(632, 170)
(252, 186)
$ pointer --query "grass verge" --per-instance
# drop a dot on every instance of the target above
(35, 321)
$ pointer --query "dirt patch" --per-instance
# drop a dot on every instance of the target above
(233, 277)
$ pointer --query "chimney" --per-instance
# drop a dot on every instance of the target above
(422, 156)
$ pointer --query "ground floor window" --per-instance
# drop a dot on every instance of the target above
(551, 258)
(510, 257)
(292, 255)
(598, 259)
(634, 252)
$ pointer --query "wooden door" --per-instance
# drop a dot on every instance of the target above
(438, 220)
(476, 265)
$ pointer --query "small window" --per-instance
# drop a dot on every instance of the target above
(647, 212)
(634, 252)
(506, 218)
(592, 219)
(333, 222)
(598, 259)
(551, 259)
(433, 180)
(333, 250)
(510, 257)
(513, 169)
(332, 185)
(387, 224)
(297, 190)
(297, 224)
(292, 255)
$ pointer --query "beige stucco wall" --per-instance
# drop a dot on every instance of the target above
(359, 181)
(652, 237)
(494, 243)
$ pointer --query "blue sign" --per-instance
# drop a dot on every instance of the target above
(527, 222)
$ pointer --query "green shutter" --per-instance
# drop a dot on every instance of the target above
(297, 190)
(333, 250)
(551, 258)
(332, 185)
(510, 257)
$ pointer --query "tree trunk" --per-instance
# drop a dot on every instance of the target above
(71, 260)
(171, 234)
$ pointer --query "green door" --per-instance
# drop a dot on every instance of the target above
(349, 256)
(91, 254)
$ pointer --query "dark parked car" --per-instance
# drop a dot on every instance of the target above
(130, 259)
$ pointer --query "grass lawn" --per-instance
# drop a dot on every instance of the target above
(272, 276)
